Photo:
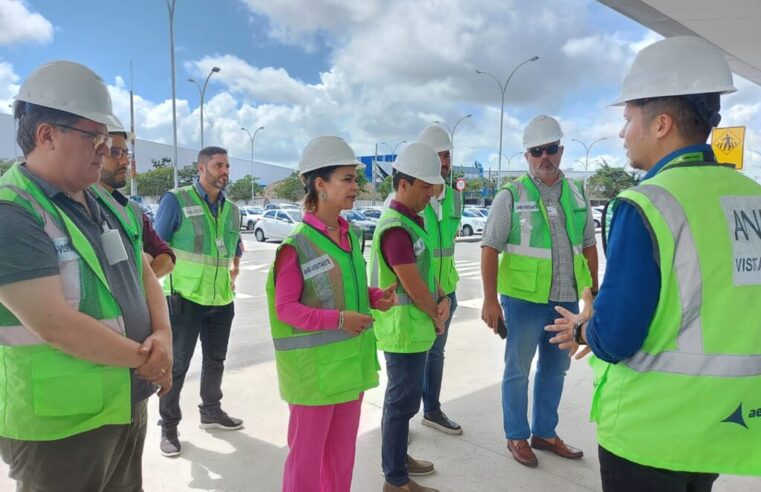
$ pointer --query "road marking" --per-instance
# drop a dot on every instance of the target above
(255, 267)
(476, 303)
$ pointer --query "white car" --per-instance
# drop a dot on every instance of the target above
(276, 224)
(597, 216)
(249, 216)
(472, 223)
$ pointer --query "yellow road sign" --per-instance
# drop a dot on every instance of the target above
(728, 145)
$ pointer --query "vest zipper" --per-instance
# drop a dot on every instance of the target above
(216, 266)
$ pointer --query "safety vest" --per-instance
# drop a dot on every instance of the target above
(324, 367)
(442, 235)
(525, 270)
(404, 328)
(204, 246)
(690, 398)
(130, 217)
(46, 394)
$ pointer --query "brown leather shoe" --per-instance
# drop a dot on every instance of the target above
(411, 486)
(558, 447)
(522, 452)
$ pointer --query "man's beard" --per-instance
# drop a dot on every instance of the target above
(109, 177)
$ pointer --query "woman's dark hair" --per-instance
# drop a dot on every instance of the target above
(311, 198)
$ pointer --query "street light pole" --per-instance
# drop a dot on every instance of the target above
(587, 149)
(170, 7)
(502, 89)
(202, 92)
(252, 137)
(393, 149)
(451, 138)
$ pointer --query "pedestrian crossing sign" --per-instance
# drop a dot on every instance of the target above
(728, 145)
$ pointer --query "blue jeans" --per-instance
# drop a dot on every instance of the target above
(212, 324)
(525, 332)
(434, 365)
(402, 402)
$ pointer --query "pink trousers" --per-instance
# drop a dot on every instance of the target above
(322, 441)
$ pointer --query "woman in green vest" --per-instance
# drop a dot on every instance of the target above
(319, 308)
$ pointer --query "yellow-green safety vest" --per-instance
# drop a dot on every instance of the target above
(46, 394)
(205, 247)
(525, 269)
(690, 398)
(404, 328)
(442, 235)
(324, 367)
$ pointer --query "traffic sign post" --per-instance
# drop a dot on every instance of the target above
(460, 184)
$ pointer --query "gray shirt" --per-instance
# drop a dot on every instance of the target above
(27, 253)
(498, 226)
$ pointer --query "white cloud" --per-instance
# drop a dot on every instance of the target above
(19, 25)
(8, 86)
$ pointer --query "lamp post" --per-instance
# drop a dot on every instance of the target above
(252, 137)
(451, 138)
(202, 92)
(587, 149)
(170, 8)
(502, 89)
(393, 149)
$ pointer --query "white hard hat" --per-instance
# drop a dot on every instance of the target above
(326, 152)
(678, 66)
(420, 161)
(71, 87)
(541, 130)
(120, 129)
(436, 137)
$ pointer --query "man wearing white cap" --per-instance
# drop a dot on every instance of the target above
(84, 328)
(442, 221)
(402, 253)
(543, 224)
(675, 329)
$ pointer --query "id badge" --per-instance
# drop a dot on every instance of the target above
(221, 248)
(113, 246)
(552, 211)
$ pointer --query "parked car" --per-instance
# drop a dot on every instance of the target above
(281, 206)
(597, 216)
(150, 209)
(482, 212)
(358, 219)
(249, 216)
(472, 222)
(276, 224)
(371, 212)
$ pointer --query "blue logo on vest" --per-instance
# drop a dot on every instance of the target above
(737, 417)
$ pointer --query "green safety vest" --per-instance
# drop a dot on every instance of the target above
(690, 398)
(525, 269)
(442, 235)
(324, 367)
(46, 394)
(404, 328)
(205, 247)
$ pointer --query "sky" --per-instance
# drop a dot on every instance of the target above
(374, 72)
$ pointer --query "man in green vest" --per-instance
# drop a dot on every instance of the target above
(203, 228)
(402, 252)
(542, 225)
(678, 363)
(442, 221)
(84, 330)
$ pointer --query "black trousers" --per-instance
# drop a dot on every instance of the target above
(212, 324)
(621, 475)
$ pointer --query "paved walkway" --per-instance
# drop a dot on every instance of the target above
(477, 461)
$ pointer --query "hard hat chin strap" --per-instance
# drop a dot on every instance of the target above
(705, 108)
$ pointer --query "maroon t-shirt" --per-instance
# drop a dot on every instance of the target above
(396, 243)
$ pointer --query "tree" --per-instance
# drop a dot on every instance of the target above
(161, 163)
(5, 165)
(156, 182)
(386, 187)
(290, 188)
(241, 189)
(609, 181)
(187, 174)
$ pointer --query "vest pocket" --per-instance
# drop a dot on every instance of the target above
(339, 368)
(63, 385)
(522, 273)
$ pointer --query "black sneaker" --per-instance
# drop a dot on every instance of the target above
(170, 443)
(220, 421)
(439, 421)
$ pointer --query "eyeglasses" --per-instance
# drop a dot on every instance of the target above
(551, 149)
(118, 152)
(98, 139)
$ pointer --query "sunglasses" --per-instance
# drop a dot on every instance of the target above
(98, 139)
(118, 152)
(551, 149)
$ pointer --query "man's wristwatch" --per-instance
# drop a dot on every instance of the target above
(577, 334)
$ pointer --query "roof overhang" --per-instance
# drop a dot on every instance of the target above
(734, 26)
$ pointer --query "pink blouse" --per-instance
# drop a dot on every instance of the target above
(289, 285)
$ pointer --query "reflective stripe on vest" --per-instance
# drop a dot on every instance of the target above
(19, 335)
(689, 357)
(443, 252)
(312, 339)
